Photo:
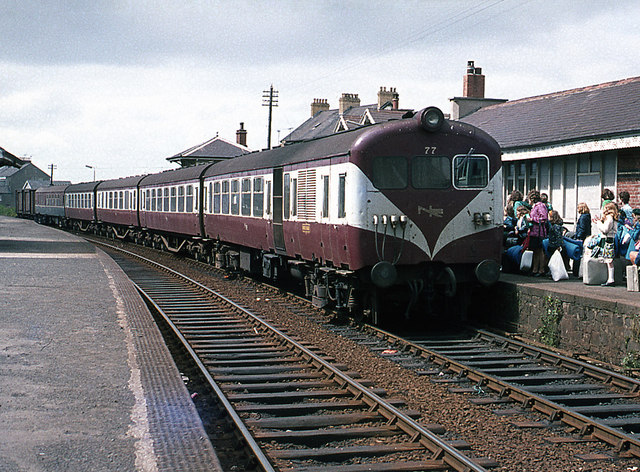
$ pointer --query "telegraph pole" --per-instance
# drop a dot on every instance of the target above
(269, 99)
(51, 167)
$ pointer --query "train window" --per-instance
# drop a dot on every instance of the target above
(225, 197)
(268, 197)
(325, 196)
(470, 171)
(342, 184)
(294, 197)
(211, 209)
(430, 172)
(134, 203)
(159, 199)
(110, 200)
(181, 198)
(120, 200)
(216, 198)
(235, 197)
(258, 197)
(153, 199)
(189, 199)
(246, 197)
(390, 172)
(286, 202)
(196, 200)
(174, 199)
(165, 197)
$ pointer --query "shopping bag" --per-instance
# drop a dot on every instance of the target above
(556, 266)
(526, 261)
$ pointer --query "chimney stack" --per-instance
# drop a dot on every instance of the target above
(473, 82)
(241, 135)
(385, 96)
(318, 105)
(347, 101)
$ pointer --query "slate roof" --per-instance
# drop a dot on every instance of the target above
(214, 148)
(326, 122)
(609, 109)
(8, 159)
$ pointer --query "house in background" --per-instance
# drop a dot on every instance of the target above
(349, 115)
(14, 178)
(570, 144)
(215, 150)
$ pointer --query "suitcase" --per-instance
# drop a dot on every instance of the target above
(593, 271)
(632, 278)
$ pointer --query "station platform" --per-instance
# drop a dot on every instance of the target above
(86, 381)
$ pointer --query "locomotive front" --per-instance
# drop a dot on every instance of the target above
(433, 209)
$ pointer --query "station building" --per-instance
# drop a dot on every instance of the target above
(570, 144)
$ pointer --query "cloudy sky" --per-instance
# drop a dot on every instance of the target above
(121, 85)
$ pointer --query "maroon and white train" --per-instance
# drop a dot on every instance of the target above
(408, 209)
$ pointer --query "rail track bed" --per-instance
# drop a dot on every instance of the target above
(296, 409)
(506, 429)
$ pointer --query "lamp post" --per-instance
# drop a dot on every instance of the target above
(94, 171)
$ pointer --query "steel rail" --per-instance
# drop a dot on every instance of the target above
(555, 411)
(440, 449)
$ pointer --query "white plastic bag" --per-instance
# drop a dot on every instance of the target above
(556, 266)
(527, 261)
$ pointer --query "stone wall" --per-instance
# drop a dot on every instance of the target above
(603, 329)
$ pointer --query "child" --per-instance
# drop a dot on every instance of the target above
(556, 240)
(523, 225)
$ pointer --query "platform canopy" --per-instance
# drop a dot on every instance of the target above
(8, 159)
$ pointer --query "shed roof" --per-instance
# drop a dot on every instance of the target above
(609, 109)
(8, 159)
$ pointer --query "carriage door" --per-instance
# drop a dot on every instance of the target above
(278, 231)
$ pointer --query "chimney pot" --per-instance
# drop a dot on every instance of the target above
(318, 105)
(473, 82)
(241, 135)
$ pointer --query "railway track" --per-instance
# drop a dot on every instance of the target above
(295, 410)
(597, 403)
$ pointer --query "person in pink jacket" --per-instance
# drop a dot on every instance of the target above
(539, 217)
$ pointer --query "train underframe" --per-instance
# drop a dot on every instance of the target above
(419, 291)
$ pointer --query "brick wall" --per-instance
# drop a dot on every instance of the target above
(629, 174)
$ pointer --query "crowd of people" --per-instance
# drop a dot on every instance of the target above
(531, 224)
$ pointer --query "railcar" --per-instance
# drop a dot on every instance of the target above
(413, 203)
(79, 206)
(117, 207)
(25, 203)
(170, 209)
(49, 205)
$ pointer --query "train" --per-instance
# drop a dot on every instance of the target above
(396, 217)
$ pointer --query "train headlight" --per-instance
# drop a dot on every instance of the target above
(432, 119)
(487, 218)
(477, 218)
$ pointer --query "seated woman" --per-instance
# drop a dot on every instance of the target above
(634, 238)
(583, 230)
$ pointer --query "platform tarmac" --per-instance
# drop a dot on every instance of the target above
(86, 381)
